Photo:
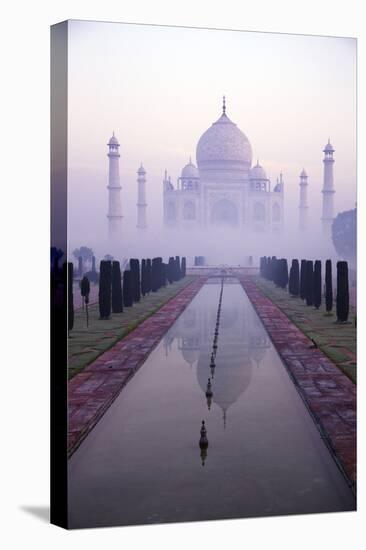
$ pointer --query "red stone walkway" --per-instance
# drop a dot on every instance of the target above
(329, 394)
(92, 391)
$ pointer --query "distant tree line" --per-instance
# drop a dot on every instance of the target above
(117, 290)
(305, 282)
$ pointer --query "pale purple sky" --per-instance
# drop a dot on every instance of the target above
(160, 88)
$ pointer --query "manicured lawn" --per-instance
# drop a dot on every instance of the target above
(86, 344)
(337, 341)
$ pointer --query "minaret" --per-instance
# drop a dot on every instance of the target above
(328, 190)
(281, 182)
(114, 190)
(141, 198)
(303, 206)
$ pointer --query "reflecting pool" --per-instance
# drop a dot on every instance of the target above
(142, 462)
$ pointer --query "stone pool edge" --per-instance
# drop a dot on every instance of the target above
(92, 391)
(329, 395)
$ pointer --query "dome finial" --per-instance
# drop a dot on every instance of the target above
(190, 160)
(223, 105)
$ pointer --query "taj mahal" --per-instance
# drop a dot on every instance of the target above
(224, 189)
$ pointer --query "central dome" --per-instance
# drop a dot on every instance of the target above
(224, 144)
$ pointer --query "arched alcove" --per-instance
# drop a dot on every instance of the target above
(259, 212)
(189, 210)
(224, 212)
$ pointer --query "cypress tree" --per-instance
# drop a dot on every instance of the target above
(267, 263)
(70, 295)
(135, 270)
(164, 268)
(143, 277)
(342, 292)
(309, 274)
(161, 273)
(93, 265)
(148, 275)
(317, 284)
(177, 268)
(284, 273)
(183, 267)
(266, 266)
(85, 291)
(280, 277)
(328, 286)
(127, 288)
(303, 280)
(171, 267)
(117, 298)
(105, 289)
(273, 270)
(155, 275)
(295, 278)
(291, 281)
(263, 267)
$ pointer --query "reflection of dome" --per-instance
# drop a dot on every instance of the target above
(190, 171)
(258, 353)
(232, 376)
(224, 143)
(258, 173)
(190, 355)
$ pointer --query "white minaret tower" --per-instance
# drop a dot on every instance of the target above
(303, 206)
(328, 190)
(114, 190)
(141, 198)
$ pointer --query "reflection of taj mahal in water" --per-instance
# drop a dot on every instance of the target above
(224, 189)
(243, 343)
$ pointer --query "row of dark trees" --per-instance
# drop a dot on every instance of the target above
(139, 280)
(305, 281)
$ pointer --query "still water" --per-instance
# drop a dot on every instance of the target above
(142, 462)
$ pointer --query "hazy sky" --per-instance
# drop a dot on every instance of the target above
(160, 88)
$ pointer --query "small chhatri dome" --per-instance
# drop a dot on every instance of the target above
(257, 172)
(303, 174)
(113, 140)
(329, 147)
(141, 170)
(190, 170)
(223, 144)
